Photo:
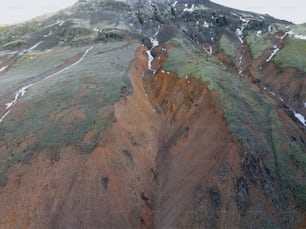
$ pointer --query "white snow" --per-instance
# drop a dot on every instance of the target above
(305, 105)
(155, 43)
(281, 99)
(272, 55)
(234, 14)
(300, 117)
(206, 24)
(3, 117)
(61, 23)
(240, 64)
(151, 58)
(189, 9)
(293, 34)
(3, 68)
(174, 4)
(70, 66)
(49, 34)
(261, 16)
(285, 34)
(270, 28)
(20, 93)
(272, 93)
(238, 32)
(34, 46)
(302, 37)
(242, 19)
(259, 33)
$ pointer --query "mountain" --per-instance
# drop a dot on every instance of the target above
(153, 114)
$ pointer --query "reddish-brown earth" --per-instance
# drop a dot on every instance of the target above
(168, 161)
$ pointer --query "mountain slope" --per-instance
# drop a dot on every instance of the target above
(152, 114)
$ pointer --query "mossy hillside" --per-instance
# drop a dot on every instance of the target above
(258, 43)
(33, 65)
(95, 83)
(245, 110)
(293, 173)
(299, 29)
(292, 55)
(251, 118)
(228, 47)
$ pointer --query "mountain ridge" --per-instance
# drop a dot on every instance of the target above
(152, 114)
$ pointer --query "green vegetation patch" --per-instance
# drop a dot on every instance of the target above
(259, 43)
(245, 110)
(292, 55)
(297, 156)
(228, 47)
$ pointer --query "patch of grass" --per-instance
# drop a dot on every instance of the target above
(292, 55)
(297, 156)
(249, 116)
(228, 47)
(258, 44)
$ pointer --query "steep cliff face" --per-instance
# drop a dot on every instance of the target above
(152, 114)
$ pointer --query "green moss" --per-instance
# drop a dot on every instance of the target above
(228, 47)
(245, 110)
(297, 156)
(292, 55)
(258, 44)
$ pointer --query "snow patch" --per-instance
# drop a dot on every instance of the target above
(20, 93)
(3, 117)
(155, 43)
(305, 105)
(259, 33)
(272, 55)
(272, 93)
(240, 64)
(206, 24)
(34, 46)
(243, 20)
(3, 68)
(49, 34)
(189, 9)
(300, 117)
(285, 34)
(174, 4)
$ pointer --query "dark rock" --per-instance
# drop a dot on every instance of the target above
(242, 196)
(128, 154)
(256, 81)
(293, 138)
(302, 139)
(199, 194)
(215, 198)
(105, 181)
(146, 200)
(250, 165)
